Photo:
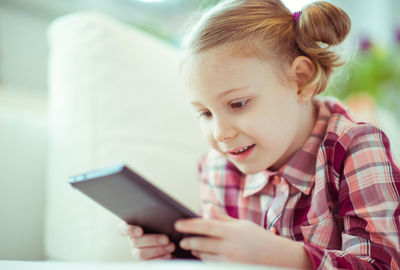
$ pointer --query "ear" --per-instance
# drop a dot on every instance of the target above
(302, 69)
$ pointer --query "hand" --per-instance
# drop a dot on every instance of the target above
(228, 239)
(146, 246)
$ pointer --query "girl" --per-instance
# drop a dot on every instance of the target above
(292, 179)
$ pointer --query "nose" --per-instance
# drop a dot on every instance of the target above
(223, 131)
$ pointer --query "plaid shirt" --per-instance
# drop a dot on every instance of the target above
(338, 195)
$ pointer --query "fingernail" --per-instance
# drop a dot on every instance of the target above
(136, 232)
(178, 225)
(163, 240)
(183, 243)
(170, 248)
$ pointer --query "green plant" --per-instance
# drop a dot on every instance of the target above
(374, 71)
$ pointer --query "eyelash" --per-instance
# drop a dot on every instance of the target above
(244, 102)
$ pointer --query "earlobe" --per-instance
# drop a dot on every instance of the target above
(303, 69)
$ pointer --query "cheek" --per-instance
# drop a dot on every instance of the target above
(258, 127)
(267, 131)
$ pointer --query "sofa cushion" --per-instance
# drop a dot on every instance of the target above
(115, 96)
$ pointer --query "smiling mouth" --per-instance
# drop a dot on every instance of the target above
(242, 150)
(242, 153)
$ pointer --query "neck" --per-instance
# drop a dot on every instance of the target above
(307, 118)
(307, 122)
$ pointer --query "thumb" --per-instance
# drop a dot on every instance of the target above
(216, 214)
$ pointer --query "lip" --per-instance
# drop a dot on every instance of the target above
(243, 155)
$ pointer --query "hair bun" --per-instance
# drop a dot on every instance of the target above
(323, 22)
(321, 25)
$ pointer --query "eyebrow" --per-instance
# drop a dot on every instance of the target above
(225, 93)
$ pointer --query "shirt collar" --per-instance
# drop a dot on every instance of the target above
(299, 171)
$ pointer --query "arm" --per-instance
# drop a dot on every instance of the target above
(368, 200)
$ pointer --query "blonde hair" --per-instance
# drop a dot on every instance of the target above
(267, 26)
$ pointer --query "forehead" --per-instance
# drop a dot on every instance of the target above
(227, 67)
(219, 61)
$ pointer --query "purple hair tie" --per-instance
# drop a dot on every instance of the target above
(296, 15)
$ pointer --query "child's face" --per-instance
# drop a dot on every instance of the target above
(243, 105)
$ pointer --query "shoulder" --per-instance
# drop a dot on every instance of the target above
(341, 120)
(344, 131)
(361, 167)
(364, 147)
(347, 140)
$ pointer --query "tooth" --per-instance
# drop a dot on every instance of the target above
(242, 150)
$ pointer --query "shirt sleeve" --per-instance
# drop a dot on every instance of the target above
(202, 171)
(210, 191)
(368, 201)
(213, 171)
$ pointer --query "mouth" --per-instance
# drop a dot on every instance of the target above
(242, 152)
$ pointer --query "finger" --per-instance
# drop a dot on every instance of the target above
(150, 240)
(152, 252)
(207, 227)
(132, 231)
(165, 257)
(202, 244)
(207, 256)
(216, 214)
(196, 253)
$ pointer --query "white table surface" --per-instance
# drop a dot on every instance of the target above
(152, 265)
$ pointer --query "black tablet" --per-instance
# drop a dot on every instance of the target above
(136, 201)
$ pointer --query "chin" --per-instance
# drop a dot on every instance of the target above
(249, 169)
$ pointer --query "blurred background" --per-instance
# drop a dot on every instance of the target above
(23, 26)
(369, 83)
(372, 48)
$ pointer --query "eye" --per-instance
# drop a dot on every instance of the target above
(239, 104)
(205, 114)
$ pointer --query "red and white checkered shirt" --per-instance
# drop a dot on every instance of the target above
(338, 195)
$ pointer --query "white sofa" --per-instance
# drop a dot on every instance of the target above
(114, 96)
